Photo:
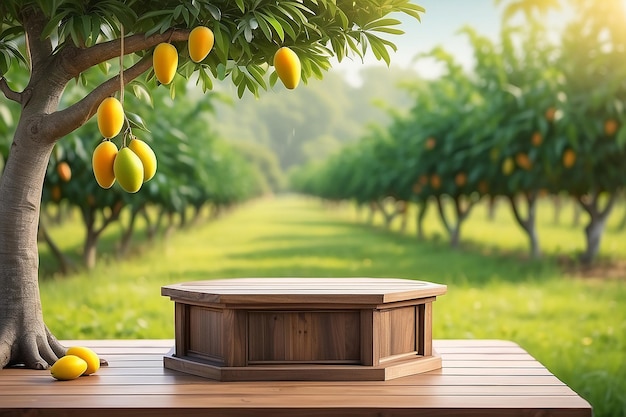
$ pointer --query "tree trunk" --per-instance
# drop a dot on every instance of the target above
(127, 235)
(90, 249)
(371, 213)
(24, 338)
(528, 224)
(576, 215)
(491, 208)
(422, 208)
(402, 209)
(597, 222)
(65, 263)
(460, 213)
(387, 216)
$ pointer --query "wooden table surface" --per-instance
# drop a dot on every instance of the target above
(478, 378)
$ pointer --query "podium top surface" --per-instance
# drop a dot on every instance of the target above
(358, 291)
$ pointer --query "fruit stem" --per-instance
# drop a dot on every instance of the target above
(122, 65)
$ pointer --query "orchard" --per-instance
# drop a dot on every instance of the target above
(533, 117)
(49, 48)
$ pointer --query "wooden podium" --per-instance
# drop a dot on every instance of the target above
(327, 329)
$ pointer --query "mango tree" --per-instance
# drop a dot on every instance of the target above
(446, 135)
(593, 55)
(64, 39)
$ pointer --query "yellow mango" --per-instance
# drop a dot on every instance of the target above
(200, 43)
(68, 367)
(128, 170)
(288, 67)
(147, 156)
(88, 355)
(110, 117)
(102, 163)
(165, 62)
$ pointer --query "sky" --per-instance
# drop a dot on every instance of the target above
(439, 26)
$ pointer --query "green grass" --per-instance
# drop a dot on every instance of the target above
(576, 327)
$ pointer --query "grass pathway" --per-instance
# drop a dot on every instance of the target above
(577, 328)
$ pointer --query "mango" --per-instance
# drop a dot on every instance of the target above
(508, 166)
(200, 43)
(88, 355)
(147, 156)
(64, 171)
(288, 67)
(165, 62)
(128, 170)
(569, 158)
(68, 367)
(102, 163)
(110, 117)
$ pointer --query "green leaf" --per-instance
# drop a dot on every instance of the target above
(173, 89)
(241, 88)
(214, 10)
(53, 24)
(378, 23)
(278, 28)
(257, 73)
(286, 26)
(222, 43)
(273, 78)
(263, 25)
(136, 122)
(142, 93)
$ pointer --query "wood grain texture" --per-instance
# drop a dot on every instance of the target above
(264, 323)
(478, 378)
(325, 291)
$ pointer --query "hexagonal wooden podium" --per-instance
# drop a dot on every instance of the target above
(303, 328)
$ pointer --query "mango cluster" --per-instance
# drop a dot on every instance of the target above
(200, 42)
(78, 361)
(132, 165)
(165, 56)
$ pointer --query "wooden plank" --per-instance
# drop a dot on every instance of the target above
(173, 377)
(478, 378)
(305, 402)
(247, 388)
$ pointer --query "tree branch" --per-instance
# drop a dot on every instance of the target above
(523, 223)
(442, 214)
(65, 121)
(76, 60)
(8, 92)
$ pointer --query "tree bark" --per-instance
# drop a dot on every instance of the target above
(460, 213)
(529, 223)
(127, 235)
(388, 216)
(422, 208)
(597, 222)
(24, 338)
(491, 208)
